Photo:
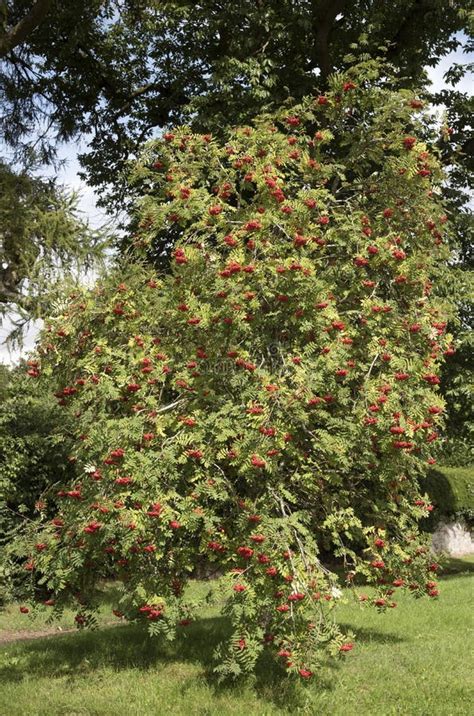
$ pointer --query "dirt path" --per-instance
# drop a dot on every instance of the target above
(24, 635)
(7, 637)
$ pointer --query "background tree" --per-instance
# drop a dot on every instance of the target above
(43, 240)
(115, 72)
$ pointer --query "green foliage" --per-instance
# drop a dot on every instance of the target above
(42, 241)
(4, 381)
(274, 394)
(130, 67)
(33, 458)
(34, 442)
(458, 376)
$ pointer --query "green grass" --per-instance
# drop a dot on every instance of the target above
(11, 619)
(415, 660)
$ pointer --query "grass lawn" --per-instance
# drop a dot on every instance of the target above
(415, 660)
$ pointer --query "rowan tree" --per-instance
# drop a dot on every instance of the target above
(273, 399)
(116, 73)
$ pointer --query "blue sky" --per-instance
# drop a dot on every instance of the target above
(69, 176)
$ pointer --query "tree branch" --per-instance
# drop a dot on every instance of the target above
(23, 29)
(164, 90)
(8, 294)
(324, 14)
(414, 17)
(103, 77)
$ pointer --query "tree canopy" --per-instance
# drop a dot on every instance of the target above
(115, 72)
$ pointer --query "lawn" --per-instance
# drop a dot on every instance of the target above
(415, 660)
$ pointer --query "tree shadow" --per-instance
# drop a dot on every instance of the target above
(457, 567)
(120, 647)
(130, 646)
(371, 636)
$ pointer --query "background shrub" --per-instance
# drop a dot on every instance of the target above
(451, 490)
(34, 448)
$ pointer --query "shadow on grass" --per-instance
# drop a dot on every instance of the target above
(371, 636)
(457, 567)
(121, 647)
(129, 646)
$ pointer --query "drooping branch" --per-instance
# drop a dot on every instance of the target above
(116, 93)
(23, 29)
